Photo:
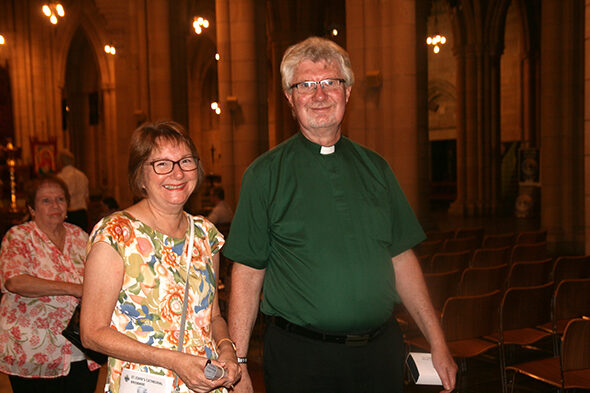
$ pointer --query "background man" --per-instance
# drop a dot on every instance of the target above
(221, 212)
(324, 225)
(77, 183)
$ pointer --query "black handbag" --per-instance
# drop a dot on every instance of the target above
(72, 333)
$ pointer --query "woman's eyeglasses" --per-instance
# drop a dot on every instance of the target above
(164, 167)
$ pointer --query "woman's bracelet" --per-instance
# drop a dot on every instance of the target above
(233, 345)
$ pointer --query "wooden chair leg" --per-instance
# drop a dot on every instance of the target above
(503, 378)
(512, 383)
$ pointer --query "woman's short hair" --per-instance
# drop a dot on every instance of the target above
(315, 49)
(145, 139)
(32, 187)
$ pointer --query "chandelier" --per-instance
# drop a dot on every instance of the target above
(200, 23)
(436, 40)
(53, 11)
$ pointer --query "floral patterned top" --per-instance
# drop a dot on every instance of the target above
(31, 344)
(149, 306)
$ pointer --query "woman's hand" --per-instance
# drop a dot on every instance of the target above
(233, 372)
(191, 368)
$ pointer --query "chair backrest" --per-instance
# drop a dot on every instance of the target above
(575, 345)
(428, 247)
(447, 261)
(465, 317)
(442, 286)
(571, 299)
(531, 237)
(477, 232)
(440, 235)
(480, 280)
(528, 252)
(567, 267)
(524, 307)
(529, 273)
(485, 257)
(461, 244)
(498, 240)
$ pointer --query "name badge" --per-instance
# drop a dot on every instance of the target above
(133, 381)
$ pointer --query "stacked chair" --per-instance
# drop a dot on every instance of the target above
(504, 291)
(570, 369)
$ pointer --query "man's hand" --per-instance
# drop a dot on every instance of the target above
(244, 385)
(445, 366)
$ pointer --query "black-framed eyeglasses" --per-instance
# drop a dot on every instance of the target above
(164, 166)
(309, 87)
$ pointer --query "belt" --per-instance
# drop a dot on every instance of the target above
(346, 339)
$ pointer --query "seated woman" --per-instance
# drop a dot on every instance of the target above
(137, 305)
(41, 270)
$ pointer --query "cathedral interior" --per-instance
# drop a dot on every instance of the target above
(490, 123)
(479, 106)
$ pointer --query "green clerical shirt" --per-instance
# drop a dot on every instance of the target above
(325, 227)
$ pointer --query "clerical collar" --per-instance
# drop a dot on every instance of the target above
(325, 150)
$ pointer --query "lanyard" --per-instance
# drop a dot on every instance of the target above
(185, 299)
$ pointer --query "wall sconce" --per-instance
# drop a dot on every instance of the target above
(217, 56)
(52, 11)
(199, 23)
(232, 103)
(2, 40)
(110, 49)
(374, 79)
(216, 108)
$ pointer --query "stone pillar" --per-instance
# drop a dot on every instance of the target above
(242, 124)
(158, 57)
(587, 132)
(562, 139)
(478, 113)
(383, 110)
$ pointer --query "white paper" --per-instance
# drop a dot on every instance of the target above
(139, 382)
(423, 373)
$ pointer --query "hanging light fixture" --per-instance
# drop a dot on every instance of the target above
(53, 11)
(215, 108)
(436, 40)
(200, 23)
(110, 49)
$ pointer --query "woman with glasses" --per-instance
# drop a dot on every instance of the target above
(159, 331)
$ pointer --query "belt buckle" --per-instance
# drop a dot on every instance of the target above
(356, 340)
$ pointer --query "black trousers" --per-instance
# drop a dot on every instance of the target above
(297, 364)
(79, 380)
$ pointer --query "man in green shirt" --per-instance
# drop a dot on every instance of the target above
(323, 229)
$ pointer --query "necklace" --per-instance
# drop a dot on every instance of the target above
(174, 232)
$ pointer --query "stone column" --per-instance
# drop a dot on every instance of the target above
(562, 139)
(477, 48)
(242, 124)
(383, 110)
(587, 132)
(158, 57)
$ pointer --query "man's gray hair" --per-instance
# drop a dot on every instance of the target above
(315, 49)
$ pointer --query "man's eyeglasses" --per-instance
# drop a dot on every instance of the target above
(164, 167)
(309, 87)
